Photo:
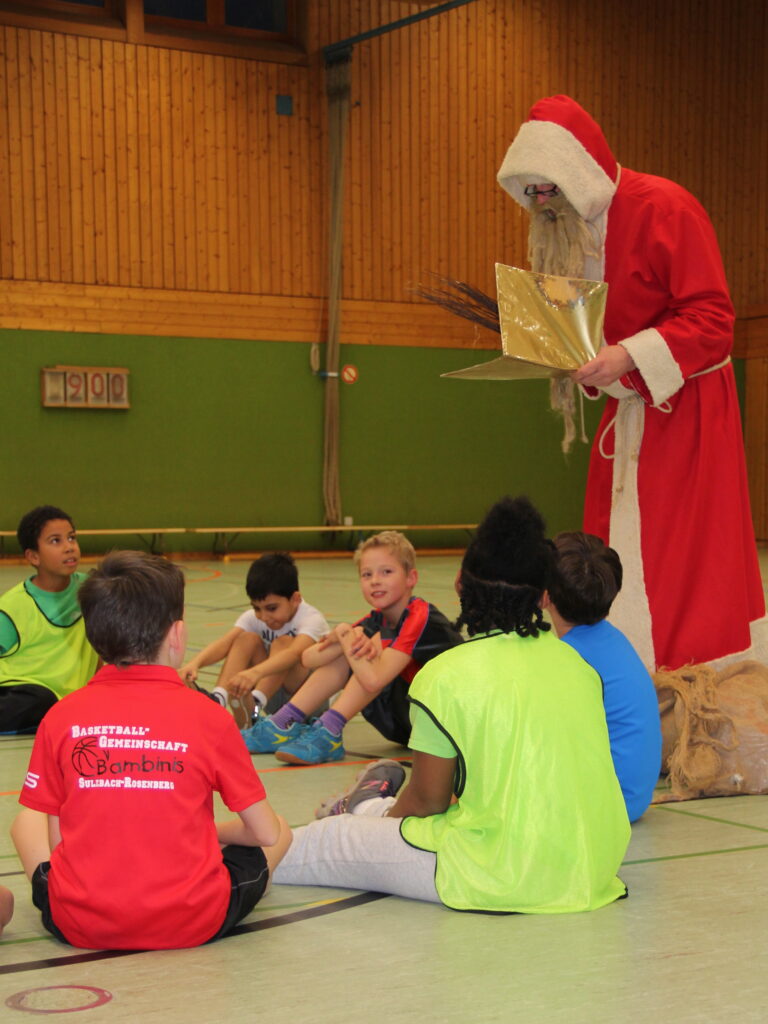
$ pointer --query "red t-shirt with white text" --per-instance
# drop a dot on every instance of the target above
(129, 764)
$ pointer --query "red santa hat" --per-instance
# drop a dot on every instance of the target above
(562, 144)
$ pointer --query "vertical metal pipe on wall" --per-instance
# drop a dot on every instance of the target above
(337, 74)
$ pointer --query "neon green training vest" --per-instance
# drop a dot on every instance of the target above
(540, 825)
(56, 657)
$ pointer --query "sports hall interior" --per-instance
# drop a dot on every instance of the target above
(237, 221)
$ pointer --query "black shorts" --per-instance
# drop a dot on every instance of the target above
(390, 712)
(23, 706)
(248, 872)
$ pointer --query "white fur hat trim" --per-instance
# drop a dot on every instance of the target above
(549, 152)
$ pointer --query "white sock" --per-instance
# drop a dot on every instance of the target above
(376, 807)
(261, 698)
(220, 694)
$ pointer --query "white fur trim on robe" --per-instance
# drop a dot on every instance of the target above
(550, 152)
(630, 611)
(656, 364)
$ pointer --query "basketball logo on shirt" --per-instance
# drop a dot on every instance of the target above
(87, 758)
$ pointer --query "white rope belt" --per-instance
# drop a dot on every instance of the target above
(664, 407)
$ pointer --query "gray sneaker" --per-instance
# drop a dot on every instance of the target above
(382, 778)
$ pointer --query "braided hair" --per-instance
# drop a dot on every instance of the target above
(505, 571)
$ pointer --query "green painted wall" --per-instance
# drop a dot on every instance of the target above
(227, 433)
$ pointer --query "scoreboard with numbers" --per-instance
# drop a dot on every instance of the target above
(85, 387)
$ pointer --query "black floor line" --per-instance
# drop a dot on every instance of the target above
(242, 929)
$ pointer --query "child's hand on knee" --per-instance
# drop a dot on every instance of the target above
(356, 644)
(240, 684)
(189, 672)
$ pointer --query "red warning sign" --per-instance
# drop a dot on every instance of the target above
(349, 373)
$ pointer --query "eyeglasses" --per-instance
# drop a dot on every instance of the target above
(534, 190)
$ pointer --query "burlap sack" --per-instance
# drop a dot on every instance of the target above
(714, 730)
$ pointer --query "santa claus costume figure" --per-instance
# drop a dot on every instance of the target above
(667, 480)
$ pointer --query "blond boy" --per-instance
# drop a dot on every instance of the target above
(372, 663)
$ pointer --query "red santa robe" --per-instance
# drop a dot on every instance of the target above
(667, 479)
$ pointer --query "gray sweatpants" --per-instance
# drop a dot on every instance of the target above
(359, 851)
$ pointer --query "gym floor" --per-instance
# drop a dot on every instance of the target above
(684, 947)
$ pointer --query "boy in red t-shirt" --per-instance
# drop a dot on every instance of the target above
(126, 853)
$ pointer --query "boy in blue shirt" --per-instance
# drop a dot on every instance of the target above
(588, 578)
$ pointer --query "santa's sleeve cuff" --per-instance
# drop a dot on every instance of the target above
(654, 361)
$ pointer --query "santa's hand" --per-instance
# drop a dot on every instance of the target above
(609, 364)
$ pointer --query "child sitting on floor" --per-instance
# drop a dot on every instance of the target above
(588, 578)
(263, 649)
(511, 723)
(43, 650)
(126, 854)
(408, 632)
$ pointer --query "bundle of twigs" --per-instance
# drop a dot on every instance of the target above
(463, 300)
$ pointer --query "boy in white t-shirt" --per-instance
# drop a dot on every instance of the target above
(262, 652)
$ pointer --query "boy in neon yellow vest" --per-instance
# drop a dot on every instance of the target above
(44, 653)
(510, 724)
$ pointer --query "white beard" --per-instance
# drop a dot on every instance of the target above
(560, 241)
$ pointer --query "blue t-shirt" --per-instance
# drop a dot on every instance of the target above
(631, 709)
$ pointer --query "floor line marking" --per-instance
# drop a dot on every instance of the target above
(701, 853)
(344, 903)
(709, 817)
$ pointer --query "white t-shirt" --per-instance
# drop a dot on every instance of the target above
(307, 621)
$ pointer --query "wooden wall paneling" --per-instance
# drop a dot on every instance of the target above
(319, 179)
(133, 150)
(307, 161)
(146, 118)
(360, 241)
(425, 176)
(97, 130)
(188, 175)
(73, 147)
(27, 155)
(153, 163)
(464, 91)
(140, 166)
(84, 128)
(63, 198)
(218, 140)
(284, 179)
(201, 197)
(6, 191)
(268, 170)
(232, 103)
(37, 177)
(15, 155)
(121, 198)
(167, 158)
(175, 169)
(356, 202)
(253, 185)
(110, 272)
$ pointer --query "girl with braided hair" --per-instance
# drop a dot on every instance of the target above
(513, 803)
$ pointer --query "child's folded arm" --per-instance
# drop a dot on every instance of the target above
(323, 652)
(282, 661)
(430, 788)
(256, 825)
(215, 651)
(373, 673)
